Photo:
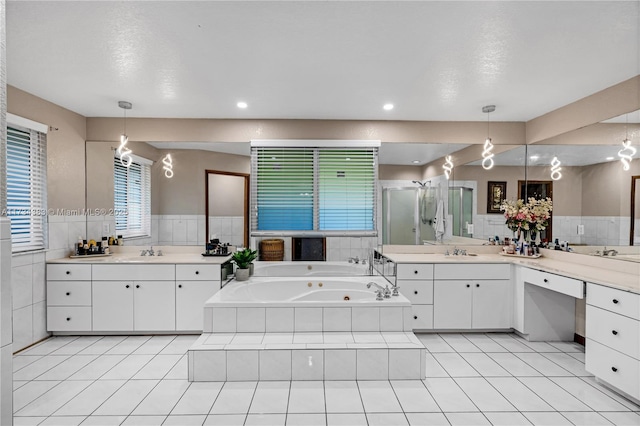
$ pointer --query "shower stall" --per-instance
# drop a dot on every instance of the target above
(408, 214)
(461, 211)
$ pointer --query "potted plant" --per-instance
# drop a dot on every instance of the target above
(243, 260)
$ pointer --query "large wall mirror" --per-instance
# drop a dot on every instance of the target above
(227, 207)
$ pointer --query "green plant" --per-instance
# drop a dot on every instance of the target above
(243, 258)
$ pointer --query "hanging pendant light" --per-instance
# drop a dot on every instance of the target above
(487, 152)
(627, 152)
(123, 151)
(555, 169)
(447, 166)
(167, 165)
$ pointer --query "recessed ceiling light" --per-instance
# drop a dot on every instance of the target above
(242, 105)
(388, 107)
(416, 161)
(609, 158)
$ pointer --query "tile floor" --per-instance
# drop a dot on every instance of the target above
(472, 379)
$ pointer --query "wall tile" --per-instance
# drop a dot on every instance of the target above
(308, 319)
(279, 320)
(275, 365)
(340, 364)
(224, 320)
(336, 319)
(404, 364)
(209, 366)
(250, 320)
(39, 312)
(307, 365)
(242, 365)
(365, 319)
(22, 327)
(372, 364)
(21, 283)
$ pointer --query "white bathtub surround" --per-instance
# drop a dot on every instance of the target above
(6, 346)
(29, 299)
(312, 328)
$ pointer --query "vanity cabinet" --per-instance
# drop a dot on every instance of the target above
(69, 297)
(613, 337)
(195, 284)
(416, 284)
(472, 296)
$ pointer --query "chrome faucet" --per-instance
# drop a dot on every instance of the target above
(355, 260)
(381, 291)
(143, 253)
(151, 252)
(610, 252)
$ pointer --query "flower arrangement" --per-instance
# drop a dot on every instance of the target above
(532, 216)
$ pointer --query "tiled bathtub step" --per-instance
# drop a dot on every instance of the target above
(317, 319)
(314, 361)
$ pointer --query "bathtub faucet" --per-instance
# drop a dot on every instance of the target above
(355, 260)
(381, 291)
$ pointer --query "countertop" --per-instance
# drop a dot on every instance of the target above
(131, 258)
(628, 280)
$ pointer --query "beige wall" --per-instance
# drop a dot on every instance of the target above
(65, 147)
(606, 189)
(226, 195)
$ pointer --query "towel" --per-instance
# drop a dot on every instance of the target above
(439, 221)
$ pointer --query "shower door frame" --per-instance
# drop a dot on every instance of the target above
(416, 212)
(460, 189)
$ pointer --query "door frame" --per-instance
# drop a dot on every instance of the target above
(632, 216)
(549, 184)
(246, 177)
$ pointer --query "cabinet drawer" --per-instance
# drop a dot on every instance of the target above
(68, 272)
(422, 317)
(198, 272)
(616, 331)
(135, 272)
(63, 318)
(619, 370)
(418, 292)
(620, 302)
(68, 293)
(557, 283)
(473, 271)
(414, 271)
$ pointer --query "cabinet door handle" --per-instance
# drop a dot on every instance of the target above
(615, 333)
(137, 285)
(197, 272)
(127, 286)
(615, 301)
(68, 293)
(68, 318)
(545, 280)
(614, 369)
(68, 272)
(179, 285)
(415, 292)
(468, 285)
(415, 317)
(415, 272)
(477, 285)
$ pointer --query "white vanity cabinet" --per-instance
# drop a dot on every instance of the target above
(69, 297)
(416, 284)
(146, 303)
(613, 337)
(194, 285)
(472, 296)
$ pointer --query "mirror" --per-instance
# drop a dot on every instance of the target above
(227, 207)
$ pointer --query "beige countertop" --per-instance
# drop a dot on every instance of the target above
(132, 258)
(610, 274)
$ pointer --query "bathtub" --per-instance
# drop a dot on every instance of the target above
(308, 304)
(307, 269)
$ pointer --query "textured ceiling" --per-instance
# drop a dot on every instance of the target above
(321, 59)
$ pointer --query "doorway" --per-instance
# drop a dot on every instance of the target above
(227, 207)
(538, 189)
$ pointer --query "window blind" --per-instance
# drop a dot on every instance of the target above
(132, 198)
(313, 190)
(27, 188)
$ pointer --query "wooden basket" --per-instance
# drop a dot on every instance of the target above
(271, 250)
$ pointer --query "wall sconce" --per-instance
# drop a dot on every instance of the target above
(167, 165)
(123, 151)
(487, 153)
(626, 154)
(447, 166)
(555, 169)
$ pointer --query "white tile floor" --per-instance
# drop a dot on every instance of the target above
(472, 379)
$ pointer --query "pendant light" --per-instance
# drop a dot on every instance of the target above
(167, 165)
(123, 151)
(487, 152)
(447, 166)
(627, 152)
(555, 169)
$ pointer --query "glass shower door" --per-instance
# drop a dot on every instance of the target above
(399, 216)
(461, 209)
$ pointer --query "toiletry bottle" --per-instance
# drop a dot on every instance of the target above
(120, 240)
(79, 246)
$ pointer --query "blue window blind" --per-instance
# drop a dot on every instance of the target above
(132, 198)
(27, 188)
(313, 190)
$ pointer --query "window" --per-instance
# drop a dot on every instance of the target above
(132, 197)
(319, 190)
(27, 187)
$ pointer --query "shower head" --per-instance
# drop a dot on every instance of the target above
(422, 184)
